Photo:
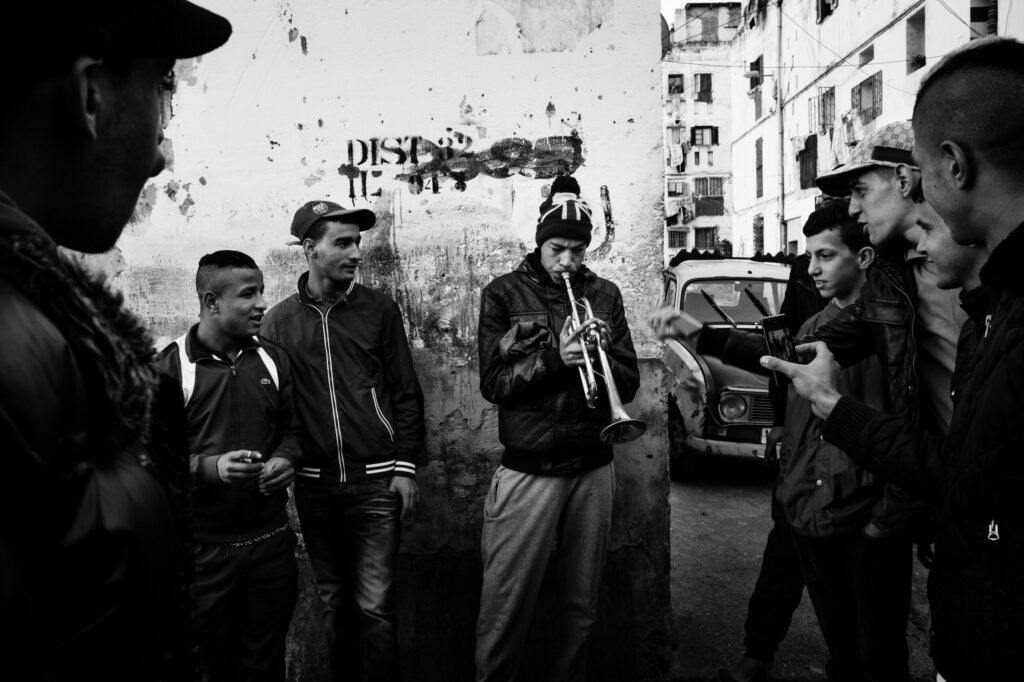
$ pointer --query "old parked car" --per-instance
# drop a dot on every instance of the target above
(715, 408)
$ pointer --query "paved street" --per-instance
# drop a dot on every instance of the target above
(719, 523)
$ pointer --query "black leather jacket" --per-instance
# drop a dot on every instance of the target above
(543, 420)
(881, 322)
(975, 475)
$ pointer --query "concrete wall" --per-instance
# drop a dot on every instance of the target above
(448, 118)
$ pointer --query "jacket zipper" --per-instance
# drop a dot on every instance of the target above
(1003, 604)
(380, 414)
(329, 366)
(916, 415)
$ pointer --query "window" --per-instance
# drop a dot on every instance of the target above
(866, 98)
(825, 8)
(808, 162)
(708, 199)
(984, 17)
(866, 55)
(696, 158)
(677, 239)
(711, 158)
(755, 67)
(674, 143)
(826, 109)
(708, 25)
(704, 135)
(705, 238)
(915, 42)
(702, 86)
(754, 91)
(759, 166)
(759, 233)
(675, 83)
(678, 188)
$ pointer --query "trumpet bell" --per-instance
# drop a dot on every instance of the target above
(623, 431)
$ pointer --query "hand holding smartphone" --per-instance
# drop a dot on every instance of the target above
(778, 339)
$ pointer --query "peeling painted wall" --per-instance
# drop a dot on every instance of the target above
(448, 118)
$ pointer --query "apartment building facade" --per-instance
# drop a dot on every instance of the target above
(840, 69)
(698, 164)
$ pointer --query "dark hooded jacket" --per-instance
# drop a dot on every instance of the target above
(975, 476)
(543, 419)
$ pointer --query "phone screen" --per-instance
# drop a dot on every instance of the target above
(778, 339)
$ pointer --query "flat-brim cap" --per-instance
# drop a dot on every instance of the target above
(313, 212)
(891, 145)
(156, 29)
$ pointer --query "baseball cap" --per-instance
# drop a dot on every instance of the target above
(891, 145)
(155, 29)
(314, 211)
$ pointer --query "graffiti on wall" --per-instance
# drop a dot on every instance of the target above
(454, 159)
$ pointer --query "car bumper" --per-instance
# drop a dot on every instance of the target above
(724, 448)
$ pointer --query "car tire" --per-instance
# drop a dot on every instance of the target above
(683, 463)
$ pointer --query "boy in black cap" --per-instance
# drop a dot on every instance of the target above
(556, 481)
(92, 555)
(362, 408)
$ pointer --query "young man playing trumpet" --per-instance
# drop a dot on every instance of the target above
(556, 481)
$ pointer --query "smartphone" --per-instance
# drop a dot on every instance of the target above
(778, 339)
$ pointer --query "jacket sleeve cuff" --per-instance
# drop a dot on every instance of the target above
(846, 425)
(206, 468)
(404, 468)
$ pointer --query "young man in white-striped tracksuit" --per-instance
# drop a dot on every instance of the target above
(242, 433)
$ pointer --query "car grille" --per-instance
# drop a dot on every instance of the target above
(761, 408)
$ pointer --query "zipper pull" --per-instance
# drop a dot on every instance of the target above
(993, 530)
(988, 325)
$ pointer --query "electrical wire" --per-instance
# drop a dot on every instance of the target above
(960, 19)
(691, 20)
(778, 5)
(788, 66)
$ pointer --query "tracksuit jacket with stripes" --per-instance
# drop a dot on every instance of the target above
(240, 403)
(356, 389)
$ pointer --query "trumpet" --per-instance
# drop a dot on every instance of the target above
(623, 428)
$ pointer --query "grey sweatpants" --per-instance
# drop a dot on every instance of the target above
(526, 516)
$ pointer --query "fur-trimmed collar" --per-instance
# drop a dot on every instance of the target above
(112, 348)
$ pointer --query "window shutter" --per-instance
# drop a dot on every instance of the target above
(714, 135)
(693, 136)
(855, 99)
(876, 84)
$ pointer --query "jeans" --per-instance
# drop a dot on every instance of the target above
(860, 588)
(244, 602)
(778, 590)
(351, 531)
(525, 517)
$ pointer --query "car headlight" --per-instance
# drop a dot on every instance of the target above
(732, 407)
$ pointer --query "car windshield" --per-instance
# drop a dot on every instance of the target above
(730, 297)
